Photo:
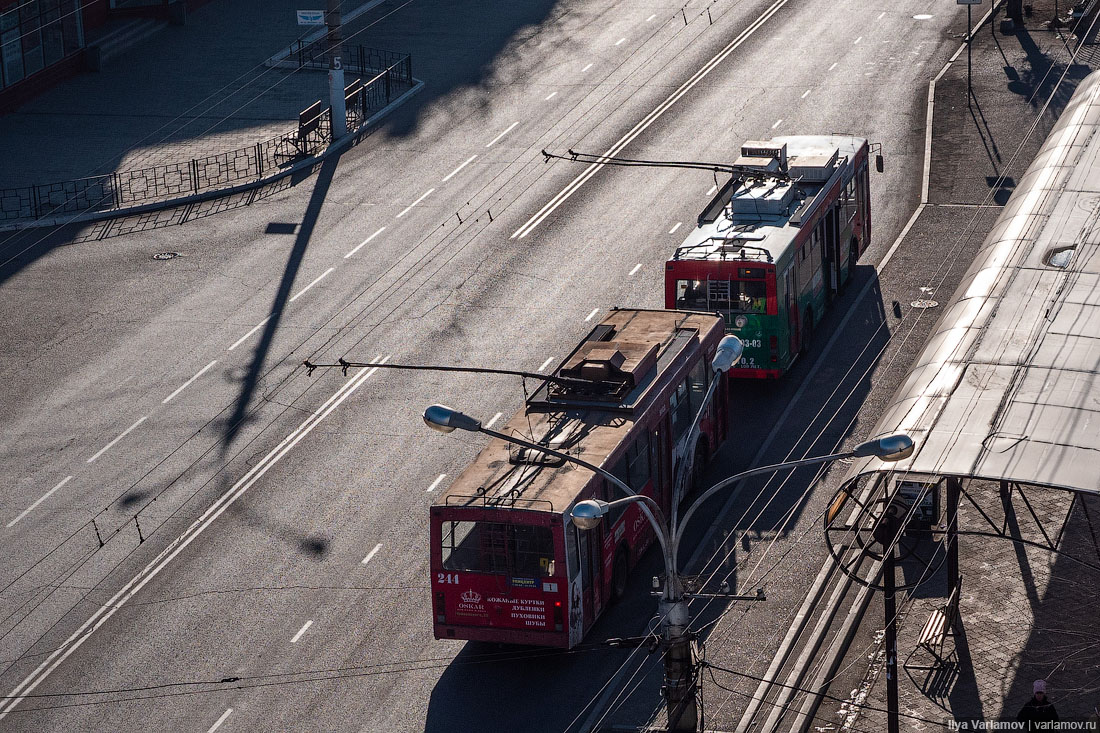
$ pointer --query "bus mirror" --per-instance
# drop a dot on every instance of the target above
(878, 162)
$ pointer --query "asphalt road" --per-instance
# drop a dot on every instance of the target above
(262, 491)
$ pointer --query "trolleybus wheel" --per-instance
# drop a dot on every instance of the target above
(807, 332)
(619, 573)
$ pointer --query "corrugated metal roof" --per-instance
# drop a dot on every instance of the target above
(1007, 386)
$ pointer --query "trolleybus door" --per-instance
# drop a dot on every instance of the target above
(590, 543)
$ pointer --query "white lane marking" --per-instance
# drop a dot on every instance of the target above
(552, 95)
(777, 123)
(805, 94)
(371, 554)
(302, 292)
(498, 137)
(673, 229)
(495, 418)
(636, 268)
(456, 170)
(648, 120)
(857, 40)
(437, 482)
(409, 208)
(104, 612)
(619, 41)
(220, 720)
(301, 631)
(545, 364)
(586, 68)
(45, 496)
(880, 15)
(124, 433)
(365, 241)
(254, 329)
(833, 66)
(591, 315)
(188, 382)
(650, 17)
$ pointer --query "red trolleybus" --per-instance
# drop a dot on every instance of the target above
(507, 564)
(775, 244)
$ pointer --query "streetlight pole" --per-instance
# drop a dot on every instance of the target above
(680, 671)
(334, 42)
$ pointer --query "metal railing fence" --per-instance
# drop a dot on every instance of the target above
(223, 170)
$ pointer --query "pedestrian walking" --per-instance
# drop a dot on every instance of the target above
(1038, 709)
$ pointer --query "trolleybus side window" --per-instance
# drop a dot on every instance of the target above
(496, 547)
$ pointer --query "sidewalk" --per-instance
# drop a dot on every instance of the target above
(1025, 612)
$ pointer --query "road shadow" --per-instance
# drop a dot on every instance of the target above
(239, 415)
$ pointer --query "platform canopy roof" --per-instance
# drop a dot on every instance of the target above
(1007, 387)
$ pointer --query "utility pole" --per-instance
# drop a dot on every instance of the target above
(886, 532)
(680, 689)
(334, 40)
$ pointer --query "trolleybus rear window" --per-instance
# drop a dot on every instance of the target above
(728, 296)
(496, 547)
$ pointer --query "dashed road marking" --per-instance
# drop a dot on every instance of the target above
(586, 68)
(545, 364)
(437, 481)
(456, 170)
(857, 40)
(365, 241)
(712, 190)
(188, 382)
(619, 41)
(124, 433)
(880, 15)
(675, 227)
(805, 94)
(371, 554)
(552, 95)
(498, 137)
(220, 720)
(636, 268)
(423, 196)
(45, 496)
(318, 279)
(301, 631)
(591, 315)
(650, 17)
(833, 66)
(495, 418)
(254, 329)
(777, 123)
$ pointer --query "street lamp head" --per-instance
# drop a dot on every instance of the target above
(729, 353)
(888, 448)
(444, 419)
(588, 513)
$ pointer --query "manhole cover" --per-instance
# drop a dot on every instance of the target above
(923, 303)
(166, 255)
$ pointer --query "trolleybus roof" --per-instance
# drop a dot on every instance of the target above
(654, 346)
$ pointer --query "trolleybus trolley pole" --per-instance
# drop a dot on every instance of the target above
(680, 667)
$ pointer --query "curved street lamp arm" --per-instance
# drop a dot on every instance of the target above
(678, 531)
(658, 526)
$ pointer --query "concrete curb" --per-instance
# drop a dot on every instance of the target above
(339, 146)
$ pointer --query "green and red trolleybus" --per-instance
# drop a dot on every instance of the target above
(775, 244)
(507, 564)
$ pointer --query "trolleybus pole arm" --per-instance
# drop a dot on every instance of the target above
(344, 365)
(574, 156)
